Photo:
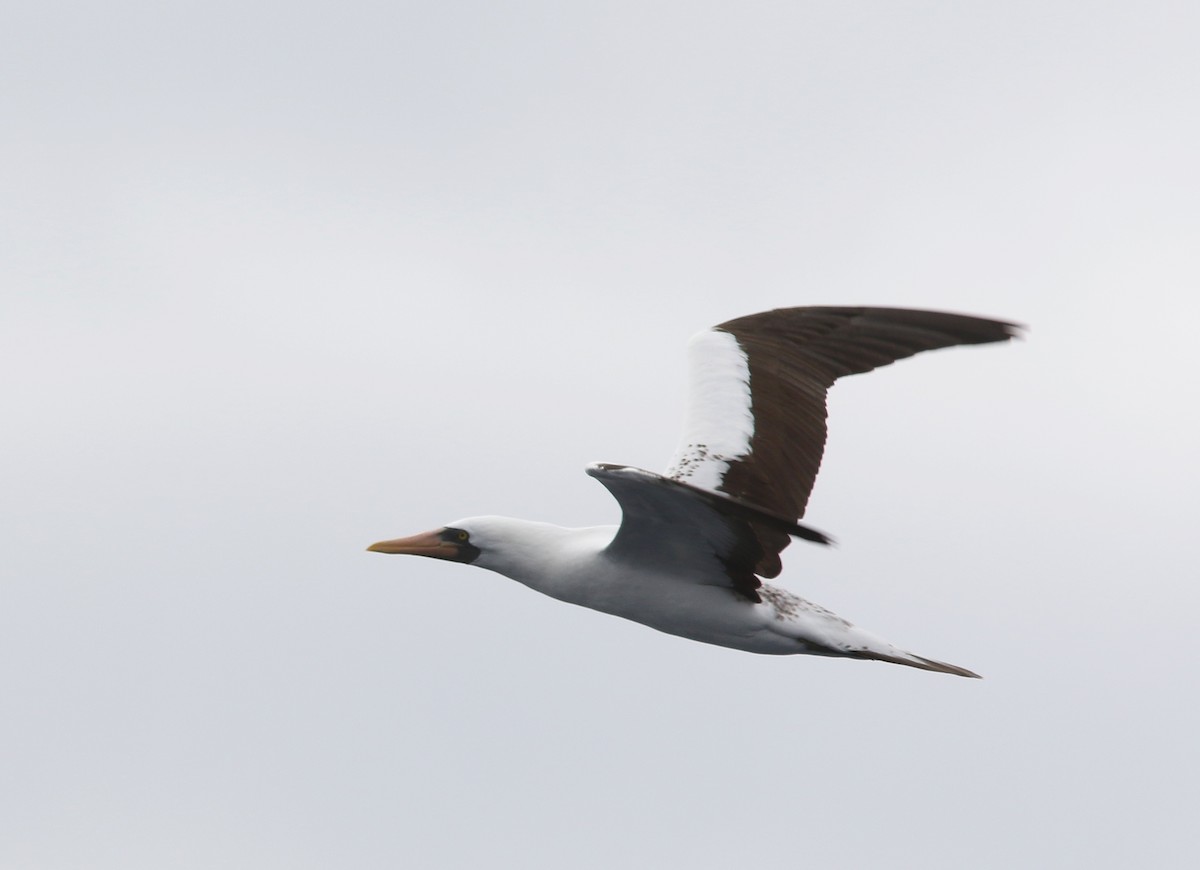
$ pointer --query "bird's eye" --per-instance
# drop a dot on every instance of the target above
(462, 536)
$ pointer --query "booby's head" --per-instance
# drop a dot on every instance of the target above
(508, 546)
(452, 542)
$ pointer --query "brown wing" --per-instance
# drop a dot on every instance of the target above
(793, 356)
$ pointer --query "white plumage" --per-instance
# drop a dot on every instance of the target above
(720, 420)
(693, 545)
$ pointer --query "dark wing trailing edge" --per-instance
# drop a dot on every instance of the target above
(677, 523)
(793, 357)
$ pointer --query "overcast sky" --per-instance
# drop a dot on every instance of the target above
(278, 280)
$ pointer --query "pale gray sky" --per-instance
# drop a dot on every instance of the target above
(278, 280)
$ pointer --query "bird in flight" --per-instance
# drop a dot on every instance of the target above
(695, 542)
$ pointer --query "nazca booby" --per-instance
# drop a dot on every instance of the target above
(693, 543)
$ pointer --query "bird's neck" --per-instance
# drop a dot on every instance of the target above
(549, 558)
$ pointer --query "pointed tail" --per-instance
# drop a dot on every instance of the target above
(914, 661)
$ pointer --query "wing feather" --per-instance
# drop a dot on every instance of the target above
(776, 368)
(677, 524)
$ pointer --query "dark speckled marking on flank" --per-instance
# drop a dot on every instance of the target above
(789, 606)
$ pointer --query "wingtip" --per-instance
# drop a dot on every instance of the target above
(1018, 331)
(808, 533)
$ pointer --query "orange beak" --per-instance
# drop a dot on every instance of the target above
(425, 544)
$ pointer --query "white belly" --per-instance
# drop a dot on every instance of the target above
(693, 600)
(705, 613)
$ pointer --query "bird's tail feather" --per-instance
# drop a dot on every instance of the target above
(915, 661)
